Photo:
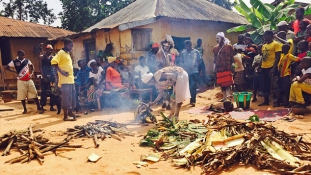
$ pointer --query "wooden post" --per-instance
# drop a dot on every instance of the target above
(2, 71)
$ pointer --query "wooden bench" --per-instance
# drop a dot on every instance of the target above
(7, 96)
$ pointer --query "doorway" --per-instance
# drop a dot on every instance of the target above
(179, 42)
(90, 49)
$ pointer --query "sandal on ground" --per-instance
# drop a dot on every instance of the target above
(70, 119)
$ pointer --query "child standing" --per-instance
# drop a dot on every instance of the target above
(285, 72)
(238, 75)
(257, 65)
(25, 86)
(301, 84)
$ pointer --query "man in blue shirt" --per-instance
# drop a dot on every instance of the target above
(82, 82)
(190, 59)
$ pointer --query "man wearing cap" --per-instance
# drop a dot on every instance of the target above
(290, 35)
(25, 86)
(151, 57)
(48, 76)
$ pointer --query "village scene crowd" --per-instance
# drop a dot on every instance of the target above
(279, 68)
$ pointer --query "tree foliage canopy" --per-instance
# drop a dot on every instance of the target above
(78, 15)
(28, 10)
(223, 3)
(263, 16)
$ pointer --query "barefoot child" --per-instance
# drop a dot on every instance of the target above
(301, 84)
(285, 72)
(25, 86)
(63, 64)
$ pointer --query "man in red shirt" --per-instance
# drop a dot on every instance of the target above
(25, 86)
(299, 17)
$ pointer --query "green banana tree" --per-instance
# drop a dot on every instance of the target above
(262, 16)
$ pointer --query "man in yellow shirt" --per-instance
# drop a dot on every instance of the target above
(63, 64)
(271, 52)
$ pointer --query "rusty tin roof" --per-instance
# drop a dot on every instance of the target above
(16, 28)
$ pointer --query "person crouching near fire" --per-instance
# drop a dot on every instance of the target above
(167, 77)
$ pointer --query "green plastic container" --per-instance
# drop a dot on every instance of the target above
(242, 99)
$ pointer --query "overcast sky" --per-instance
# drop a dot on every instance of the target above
(57, 7)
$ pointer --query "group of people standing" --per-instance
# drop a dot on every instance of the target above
(57, 70)
(280, 63)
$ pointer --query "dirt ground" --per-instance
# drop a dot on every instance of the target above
(117, 156)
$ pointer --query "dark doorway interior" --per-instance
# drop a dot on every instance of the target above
(5, 51)
(179, 42)
(90, 49)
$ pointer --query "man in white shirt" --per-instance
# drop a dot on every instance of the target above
(142, 68)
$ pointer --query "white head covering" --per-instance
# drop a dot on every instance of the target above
(226, 40)
(282, 23)
(111, 59)
(146, 77)
(90, 62)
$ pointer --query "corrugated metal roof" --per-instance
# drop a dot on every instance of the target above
(140, 11)
(15, 28)
(198, 10)
(134, 13)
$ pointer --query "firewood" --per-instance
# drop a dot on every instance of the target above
(31, 133)
(25, 160)
(96, 141)
(17, 159)
(21, 151)
(7, 150)
(31, 156)
(41, 161)
(38, 152)
(27, 139)
(65, 149)
(115, 137)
